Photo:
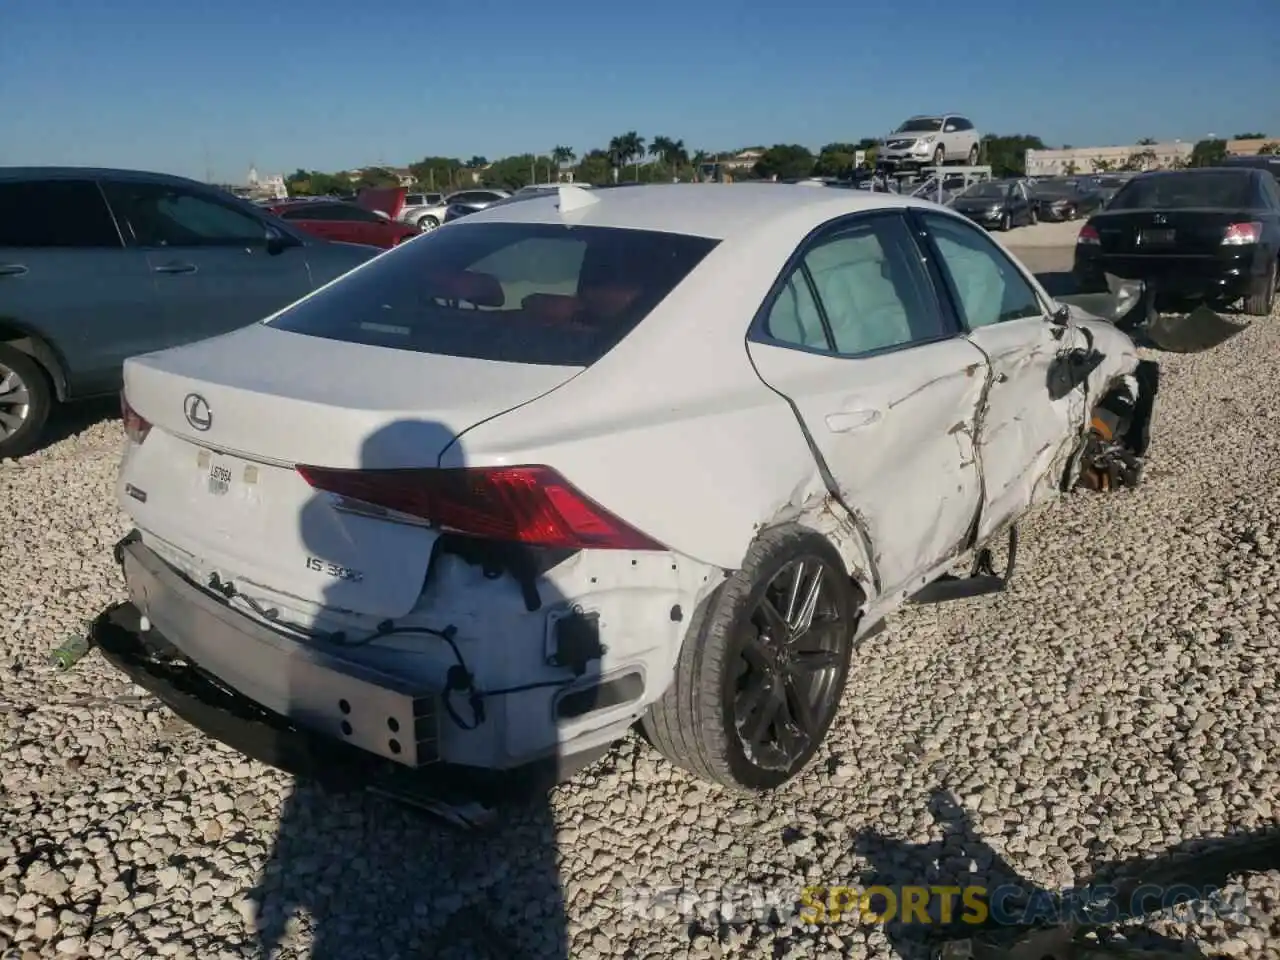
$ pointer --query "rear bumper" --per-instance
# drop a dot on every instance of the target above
(268, 737)
(1194, 278)
(344, 700)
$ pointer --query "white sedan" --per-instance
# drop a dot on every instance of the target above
(661, 453)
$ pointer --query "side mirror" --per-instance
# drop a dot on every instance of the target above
(278, 242)
(1061, 315)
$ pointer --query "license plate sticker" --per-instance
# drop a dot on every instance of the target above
(219, 479)
(1157, 236)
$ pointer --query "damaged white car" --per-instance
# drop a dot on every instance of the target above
(659, 454)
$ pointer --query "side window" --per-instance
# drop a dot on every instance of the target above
(990, 288)
(871, 288)
(303, 211)
(166, 216)
(794, 316)
(961, 123)
(67, 214)
(414, 200)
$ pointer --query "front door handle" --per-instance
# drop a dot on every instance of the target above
(12, 269)
(848, 420)
(176, 268)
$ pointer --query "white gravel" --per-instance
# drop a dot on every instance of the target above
(1119, 700)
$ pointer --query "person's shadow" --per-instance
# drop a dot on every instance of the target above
(1019, 918)
(355, 874)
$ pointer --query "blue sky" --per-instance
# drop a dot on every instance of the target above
(333, 84)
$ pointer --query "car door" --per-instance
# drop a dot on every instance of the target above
(886, 388)
(210, 257)
(1021, 203)
(312, 218)
(364, 226)
(67, 277)
(1024, 435)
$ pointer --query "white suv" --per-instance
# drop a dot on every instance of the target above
(931, 140)
(424, 210)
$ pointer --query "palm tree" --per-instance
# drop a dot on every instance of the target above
(563, 154)
(627, 148)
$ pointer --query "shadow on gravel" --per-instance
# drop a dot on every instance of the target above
(1014, 918)
(74, 418)
(378, 878)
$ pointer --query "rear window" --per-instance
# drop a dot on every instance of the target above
(515, 292)
(1177, 191)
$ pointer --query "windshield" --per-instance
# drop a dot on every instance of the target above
(1180, 191)
(921, 125)
(986, 191)
(514, 292)
(1111, 183)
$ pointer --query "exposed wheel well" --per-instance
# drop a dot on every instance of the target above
(40, 351)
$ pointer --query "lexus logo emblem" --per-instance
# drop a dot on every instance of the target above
(198, 413)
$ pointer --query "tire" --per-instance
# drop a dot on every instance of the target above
(1006, 222)
(695, 724)
(22, 424)
(973, 156)
(1032, 217)
(940, 157)
(428, 223)
(1259, 303)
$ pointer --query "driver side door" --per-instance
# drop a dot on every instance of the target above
(212, 268)
(1024, 438)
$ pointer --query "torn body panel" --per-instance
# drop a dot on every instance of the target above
(894, 432)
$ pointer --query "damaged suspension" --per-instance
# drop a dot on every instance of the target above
(1107, 462)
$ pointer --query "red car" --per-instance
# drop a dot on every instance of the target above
(349, 222)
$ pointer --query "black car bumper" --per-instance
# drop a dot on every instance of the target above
(985, 218)
(1209, 278)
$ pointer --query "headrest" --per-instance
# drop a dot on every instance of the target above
(480, 289)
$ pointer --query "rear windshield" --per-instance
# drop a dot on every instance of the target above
(515, 292)
(1175, 191)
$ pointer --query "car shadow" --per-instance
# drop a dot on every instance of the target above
(72, 419)
(1058, 283)
(993, 906)
(370, 874)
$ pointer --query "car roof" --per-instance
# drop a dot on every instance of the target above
(714, 210)
(93, 173)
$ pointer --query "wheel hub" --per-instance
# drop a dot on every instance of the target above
(15, 402)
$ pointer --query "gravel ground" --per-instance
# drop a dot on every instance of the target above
(1118, 701)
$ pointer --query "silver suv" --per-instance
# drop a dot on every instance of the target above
(931, 140)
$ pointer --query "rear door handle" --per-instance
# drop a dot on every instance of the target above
(176, 268)
(848, 420)
(12, 269)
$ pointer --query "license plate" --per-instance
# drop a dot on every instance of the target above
(1156, 236)
(219, 479)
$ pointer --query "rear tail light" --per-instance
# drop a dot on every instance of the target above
(1088, 236)
(135, 427)
(1240, 234)
(529, 504)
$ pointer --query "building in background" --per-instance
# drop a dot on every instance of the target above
(1071, 160)
(270, 187)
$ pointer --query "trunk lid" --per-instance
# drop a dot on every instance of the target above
(388, 200)
(231, 418)
(1188, 232)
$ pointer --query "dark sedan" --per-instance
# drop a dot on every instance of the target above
(1210, 234)
(1065, 198)
(998, 204)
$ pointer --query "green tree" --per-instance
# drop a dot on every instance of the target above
(1271, 149)
(377, 177)
(1249, 136)
(476, 162)
(835, 160)
(1101, 166)
(1146, 142)
(1141, 160)
(1070, 168)
(1007, 154)
(1208, 153)
(595, 168)
(437, 173)
(627, 149)
(512, 173)
(785, 161)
